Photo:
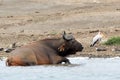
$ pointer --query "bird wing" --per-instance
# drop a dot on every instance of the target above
(96, 39)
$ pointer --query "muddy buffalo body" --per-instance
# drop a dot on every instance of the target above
(46, 51)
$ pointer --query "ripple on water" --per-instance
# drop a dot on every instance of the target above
(80, 69)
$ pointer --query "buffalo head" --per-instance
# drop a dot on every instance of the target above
(70, 45)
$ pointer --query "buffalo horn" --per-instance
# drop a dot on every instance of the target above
(67, 36)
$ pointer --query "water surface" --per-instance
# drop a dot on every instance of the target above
(80, 69)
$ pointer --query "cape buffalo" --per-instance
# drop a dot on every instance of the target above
(46, 51)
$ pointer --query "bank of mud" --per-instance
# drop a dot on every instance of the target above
(84, 37)
(40, 19)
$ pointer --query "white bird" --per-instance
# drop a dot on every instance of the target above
(96, 39)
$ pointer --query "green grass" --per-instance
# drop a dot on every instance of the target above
(113, 41)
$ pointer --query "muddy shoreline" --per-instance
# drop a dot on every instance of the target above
(40, 19)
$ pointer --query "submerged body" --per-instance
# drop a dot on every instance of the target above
(47, 51)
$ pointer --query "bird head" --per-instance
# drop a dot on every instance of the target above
(101, 34)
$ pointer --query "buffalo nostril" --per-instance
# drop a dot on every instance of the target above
(82, 47)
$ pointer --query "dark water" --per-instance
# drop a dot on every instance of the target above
(80, 69)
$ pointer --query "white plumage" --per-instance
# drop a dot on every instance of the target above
(96, 39)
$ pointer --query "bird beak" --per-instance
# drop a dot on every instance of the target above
(102, 35)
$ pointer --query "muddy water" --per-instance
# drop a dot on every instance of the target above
(80, 69)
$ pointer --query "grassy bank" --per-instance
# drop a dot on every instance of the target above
(113, 41)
